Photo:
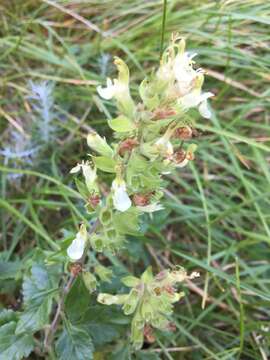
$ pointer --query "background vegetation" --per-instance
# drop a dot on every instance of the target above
(218, 219)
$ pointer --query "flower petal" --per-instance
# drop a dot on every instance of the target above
(204, 110)
(75, 169)
(183, 163)
(108, 92)
(150, 208)
(76, 248)
(121, 200)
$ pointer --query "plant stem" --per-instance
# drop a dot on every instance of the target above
(66, 288)
(163, 27)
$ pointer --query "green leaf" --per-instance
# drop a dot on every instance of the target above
(121, 124)
(104, 163)
(74, 344)
(99, 322)
(82, 188)
(10, 270)
(13, 346)
(89, 280)
(38, 291)
(77, 300)
(122, 353)
(147, 276)
(143, 355)
(130, 281)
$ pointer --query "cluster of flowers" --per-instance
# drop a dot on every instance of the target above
(152, 138)
(150, 300)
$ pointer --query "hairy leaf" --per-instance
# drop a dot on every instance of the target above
(74, 344)
(13, 346)
(38, 292)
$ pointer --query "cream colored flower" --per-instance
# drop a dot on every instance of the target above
(164, 147)
(121, 200)
(76, 248)
(196, 98)
(89, 173)
(114, 88)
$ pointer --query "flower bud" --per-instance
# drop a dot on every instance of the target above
(103, 273)
(136, 335)
(109, 299)
(147, 311)
(89, 280)
(97, 242)
(130, 281)
(105, 217)
(160, 322)
(131, 302)
(99, 144)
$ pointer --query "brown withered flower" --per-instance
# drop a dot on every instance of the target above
(127, 145)
(75, 269)
(179, 156)
(160, 114)
(94, 200)
(171, 327)
(141, 199)
(183, 133)
(149, 334)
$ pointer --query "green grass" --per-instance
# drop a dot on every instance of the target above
(219, 219)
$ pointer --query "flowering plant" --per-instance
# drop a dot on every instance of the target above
(149, 142)
(152, 138)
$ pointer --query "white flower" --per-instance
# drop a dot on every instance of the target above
(114, 88)
(89, 173)
(164, 146)
(76, 248)
(121, 200)
(196, 98)
(183, 72)
(150, 208)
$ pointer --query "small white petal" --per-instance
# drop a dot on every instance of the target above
(89, 173)
(164, 147)
(183, 163)
(204, 110)
(75, 169)
(150, 208)
(76, 248)
(108, 92)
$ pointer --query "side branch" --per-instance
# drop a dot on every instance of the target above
(66, 288)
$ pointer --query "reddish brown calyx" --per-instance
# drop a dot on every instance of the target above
(75, 269)
(94, 200)
(179, 156)
(160, 114)
(169, 289)
(127, 146)
(141, 199)
(171, 327)
(149, 334)
(183, 133)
